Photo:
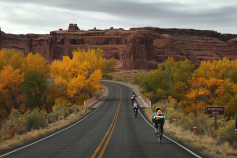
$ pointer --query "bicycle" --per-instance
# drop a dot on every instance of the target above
(135, 112)
(159, 135)
(132, 100)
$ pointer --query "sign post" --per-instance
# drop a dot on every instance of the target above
(215, 110)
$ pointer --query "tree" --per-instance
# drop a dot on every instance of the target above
(37, 63)
(80, 76)
(169, 79)
(34, 87)
(9, 82)
(203, 92)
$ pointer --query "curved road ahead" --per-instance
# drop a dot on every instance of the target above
(109, 131)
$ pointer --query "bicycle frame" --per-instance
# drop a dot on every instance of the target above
(159, 133)
(135, 112)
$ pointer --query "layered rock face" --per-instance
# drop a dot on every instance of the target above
(139, 53)
(137, 48)
(195, 45)
(133, 49)
(12, 41)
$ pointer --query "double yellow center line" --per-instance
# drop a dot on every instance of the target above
(109, 132)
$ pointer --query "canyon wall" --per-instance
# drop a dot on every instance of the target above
(137, 48)
(12, 41)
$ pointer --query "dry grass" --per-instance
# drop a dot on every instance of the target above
(34, 134)
(206, 144)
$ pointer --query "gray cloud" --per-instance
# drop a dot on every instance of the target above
(44, 16)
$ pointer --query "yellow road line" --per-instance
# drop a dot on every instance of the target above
(110, 130)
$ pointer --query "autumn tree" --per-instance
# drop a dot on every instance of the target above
(37, 63)
(34, 87)
(80, 76)
(169, 79)
(213, 84)
(9, 82)
(202, 93)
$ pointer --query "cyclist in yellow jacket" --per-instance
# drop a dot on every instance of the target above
(157, 118)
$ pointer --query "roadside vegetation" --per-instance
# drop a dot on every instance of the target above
(183, 92)
(35, 94)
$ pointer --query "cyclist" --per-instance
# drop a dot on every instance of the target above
(158, 117)
(135, 108)
(133, 98)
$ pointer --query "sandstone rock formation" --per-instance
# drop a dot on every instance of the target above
(139, 53)
(12, 41)
(132, 49)
(137, 48)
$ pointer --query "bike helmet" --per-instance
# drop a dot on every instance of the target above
(157, 108)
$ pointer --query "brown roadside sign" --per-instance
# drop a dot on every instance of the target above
(215, 110)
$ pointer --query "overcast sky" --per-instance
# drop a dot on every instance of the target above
(43, 16)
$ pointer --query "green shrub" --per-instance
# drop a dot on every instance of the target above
(60, 109)
(227, 133)
(186, 122)
(36, 119)
(52, 117)
(56, 113)
(73, 109)
(17, 120)
(107, 77)
(172, 114)
(204, 124)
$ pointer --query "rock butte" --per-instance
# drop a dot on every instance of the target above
(136, 48)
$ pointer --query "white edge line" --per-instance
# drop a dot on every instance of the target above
(56, 132)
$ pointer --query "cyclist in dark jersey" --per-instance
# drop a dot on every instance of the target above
(158, 117)
(133, 98)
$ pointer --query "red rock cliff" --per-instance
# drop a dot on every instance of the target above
(137, 48)
(12, 41)
(133, 49)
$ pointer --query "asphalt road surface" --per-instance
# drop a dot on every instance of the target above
(111, 130)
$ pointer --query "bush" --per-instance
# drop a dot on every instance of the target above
(107, 77)
(204, 124)
(52, 117)
(60, 109)
(56, 113)
(73, 109)
(173, 114)
(17, 120)
(227, 134)
(36, 119)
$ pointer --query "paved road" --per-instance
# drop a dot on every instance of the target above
(111, 130)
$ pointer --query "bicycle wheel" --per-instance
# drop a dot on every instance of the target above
(159, 134)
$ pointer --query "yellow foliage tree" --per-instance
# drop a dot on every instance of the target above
(203, 92)
(213, 84)
(37, 63)
(9, 82)
(80, 76)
